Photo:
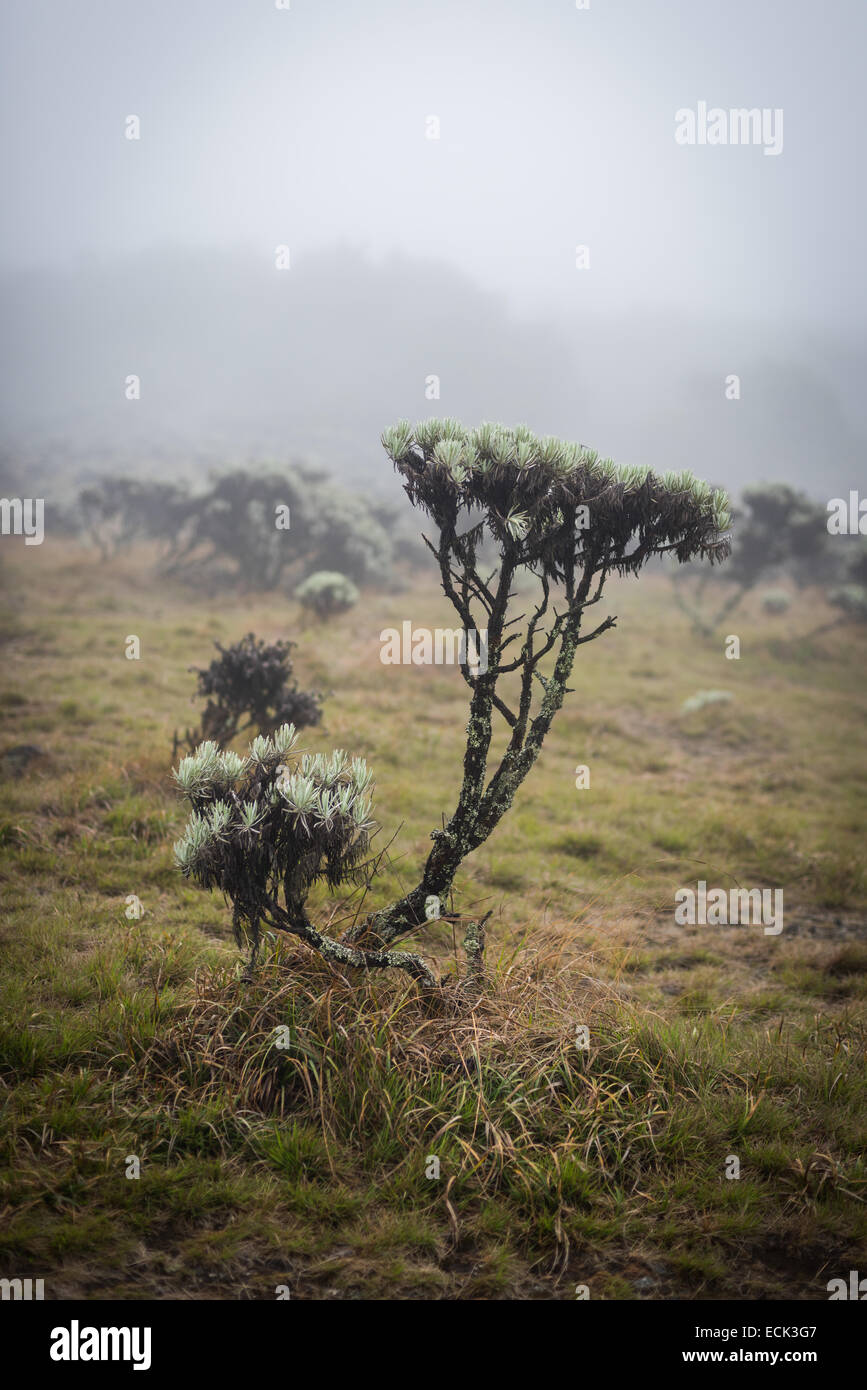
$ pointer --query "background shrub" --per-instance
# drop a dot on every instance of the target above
(327, 593)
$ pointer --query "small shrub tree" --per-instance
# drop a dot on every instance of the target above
(775, 528)
(249, 686)
(850, 600)
(327, 593)
(552, 508)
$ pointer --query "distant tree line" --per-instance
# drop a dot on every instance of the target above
(777, 532)
(252, 528)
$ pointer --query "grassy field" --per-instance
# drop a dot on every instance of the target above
(308, 1167)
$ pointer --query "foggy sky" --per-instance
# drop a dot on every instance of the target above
(306, 127)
